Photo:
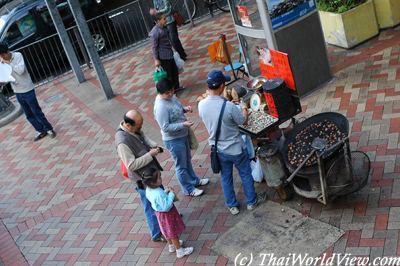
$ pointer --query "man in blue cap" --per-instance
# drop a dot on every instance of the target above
(231, 148)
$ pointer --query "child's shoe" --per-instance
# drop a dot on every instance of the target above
(171, 247)
(180, 253)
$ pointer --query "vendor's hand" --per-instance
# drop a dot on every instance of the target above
(170, 189)
(154, 151)
(188, 123)
(188, 109)
(157, 62)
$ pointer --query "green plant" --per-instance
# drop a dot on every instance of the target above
(338, 6)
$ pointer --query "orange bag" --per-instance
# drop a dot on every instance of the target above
(216, 52)
(222, 55)
(124, 170)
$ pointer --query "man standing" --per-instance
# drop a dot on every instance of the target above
(24, 91)
(164, 7)
(138, 152)
(231, 148)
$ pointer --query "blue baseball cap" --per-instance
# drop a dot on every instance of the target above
(215, 78)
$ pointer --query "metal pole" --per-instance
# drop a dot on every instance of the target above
(82, 47)
(188, 12)
(65, 41)
(89, 44)
(228, 56)
(267, 25)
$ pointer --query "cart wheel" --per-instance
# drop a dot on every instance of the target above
(285, 191)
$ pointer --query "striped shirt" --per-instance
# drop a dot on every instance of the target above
(161, 46)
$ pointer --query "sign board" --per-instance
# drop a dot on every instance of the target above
(279, 68)
(282, 12)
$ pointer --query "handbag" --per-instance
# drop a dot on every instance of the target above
(159, 74)
(215, 163)
(193, 143)
(178, 18)
(124, 170)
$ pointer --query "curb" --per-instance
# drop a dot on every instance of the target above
(15, 113)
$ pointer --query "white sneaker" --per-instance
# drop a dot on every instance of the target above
(180, 253)
(261, 197)
(204, 181)
(196, 192)
(234, 210)
(171, 247)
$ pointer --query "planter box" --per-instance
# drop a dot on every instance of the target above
(387, 12)
(350, 28)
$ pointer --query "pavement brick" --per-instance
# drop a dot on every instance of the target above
(63, 201)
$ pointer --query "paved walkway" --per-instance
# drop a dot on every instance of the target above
(62, 200)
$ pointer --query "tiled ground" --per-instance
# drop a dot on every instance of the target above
(62, 201)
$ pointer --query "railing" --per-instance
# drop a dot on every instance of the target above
(113, 32)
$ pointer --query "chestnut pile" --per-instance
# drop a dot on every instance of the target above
(301, 147)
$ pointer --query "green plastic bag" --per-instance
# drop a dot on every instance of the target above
(159, 74)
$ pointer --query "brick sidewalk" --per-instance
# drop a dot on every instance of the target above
(62, 201)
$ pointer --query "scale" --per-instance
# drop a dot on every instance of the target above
(255, 102)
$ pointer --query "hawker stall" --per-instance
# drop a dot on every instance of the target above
(313, 156)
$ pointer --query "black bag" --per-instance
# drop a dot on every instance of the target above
(215, 163)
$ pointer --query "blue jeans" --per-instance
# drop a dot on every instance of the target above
(33, 112)
(180, 151)
(151, 217)
(242, 164)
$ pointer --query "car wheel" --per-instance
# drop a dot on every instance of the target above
(99, 41)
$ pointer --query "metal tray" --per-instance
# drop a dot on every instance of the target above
(259, 132)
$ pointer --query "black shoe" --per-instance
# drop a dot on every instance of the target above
(40, 136)
(159, 239)
(52, 134)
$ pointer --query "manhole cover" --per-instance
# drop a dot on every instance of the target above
(54, 98)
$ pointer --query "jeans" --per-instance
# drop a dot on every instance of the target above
(33, 112)
(242, 164)
(180, 151)
(174, 39)
(151, 217)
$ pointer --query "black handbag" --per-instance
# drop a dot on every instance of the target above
(215, 163)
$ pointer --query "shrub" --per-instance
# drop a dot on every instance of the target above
(338, 6)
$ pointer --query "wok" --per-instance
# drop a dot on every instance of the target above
(341, 122)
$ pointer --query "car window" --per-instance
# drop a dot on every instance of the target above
(27, 25)
(13, 34)
(20, 29)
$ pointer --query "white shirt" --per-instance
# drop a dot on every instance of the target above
(23, 82)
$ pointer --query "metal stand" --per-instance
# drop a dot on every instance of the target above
(228, 56)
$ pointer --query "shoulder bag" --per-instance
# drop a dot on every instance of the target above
(215, 163)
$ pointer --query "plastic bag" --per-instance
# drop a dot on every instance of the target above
(124, 170)
(159, 74)
(256, 171)
(179, 62)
